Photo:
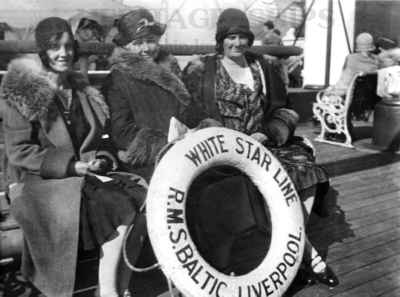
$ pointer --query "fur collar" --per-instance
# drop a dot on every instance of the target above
(28, 87)
(145, 70)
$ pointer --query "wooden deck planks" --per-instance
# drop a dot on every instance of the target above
(365, 177)
(370, 272)
(367, 273)
(352, 248)
(371, 201)
(369, 255)
(361, 238)
(384, 284)
(392, 293)
(354, 225)
(361, 191)
(340, 160)
(371, 209)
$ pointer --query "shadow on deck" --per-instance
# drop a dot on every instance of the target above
(359, 163)
(360, 239)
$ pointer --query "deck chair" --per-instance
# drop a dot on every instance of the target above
(335, 113)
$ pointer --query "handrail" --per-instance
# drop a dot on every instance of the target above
(88, 48)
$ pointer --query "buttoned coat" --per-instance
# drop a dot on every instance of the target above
(45, 199)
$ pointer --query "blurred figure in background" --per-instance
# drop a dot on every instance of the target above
(5, 58)
(272, 36)
(388, 52)
(112, 32)
(363, 60)
(91, 31)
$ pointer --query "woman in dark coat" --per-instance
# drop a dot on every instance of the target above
(54, 142)
(143, 91)
(244, 92)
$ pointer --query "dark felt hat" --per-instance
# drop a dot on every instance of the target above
(233, 21)
(49, 27)
(137, 24)
(269, 24)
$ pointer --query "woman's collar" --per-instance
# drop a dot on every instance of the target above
(239, 62)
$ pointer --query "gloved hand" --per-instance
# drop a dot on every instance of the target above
(278, 133)
(99, 165)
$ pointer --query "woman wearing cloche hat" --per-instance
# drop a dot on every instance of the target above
(54, 125)
(143, 91)
(244, 92)
(363, 60)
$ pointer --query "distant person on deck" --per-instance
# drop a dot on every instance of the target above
(389, 52)
(271, 37)
(363, 60)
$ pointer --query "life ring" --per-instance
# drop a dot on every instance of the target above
(167, 226)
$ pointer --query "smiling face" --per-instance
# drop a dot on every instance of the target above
(146, 47)
(61, 52)
(235, 45)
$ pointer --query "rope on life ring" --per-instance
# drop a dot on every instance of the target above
(173, 246)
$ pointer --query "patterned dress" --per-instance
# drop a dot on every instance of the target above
(225, 211)
(241, 110)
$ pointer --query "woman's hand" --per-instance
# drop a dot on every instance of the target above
(97, 165)
(260, 137)
(81, 168)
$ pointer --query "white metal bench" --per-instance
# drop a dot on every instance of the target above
(333, 112)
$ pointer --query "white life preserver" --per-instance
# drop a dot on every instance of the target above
(167, 226)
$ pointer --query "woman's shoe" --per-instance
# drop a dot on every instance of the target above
(324, 276)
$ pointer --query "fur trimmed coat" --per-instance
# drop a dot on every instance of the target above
(279, 121)
(45, 198)
(143, 96)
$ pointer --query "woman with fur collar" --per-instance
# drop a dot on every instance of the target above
(143, 91)
(244, 92)
(54, 142)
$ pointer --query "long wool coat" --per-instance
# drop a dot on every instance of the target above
(46, 201)
(143, 96)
